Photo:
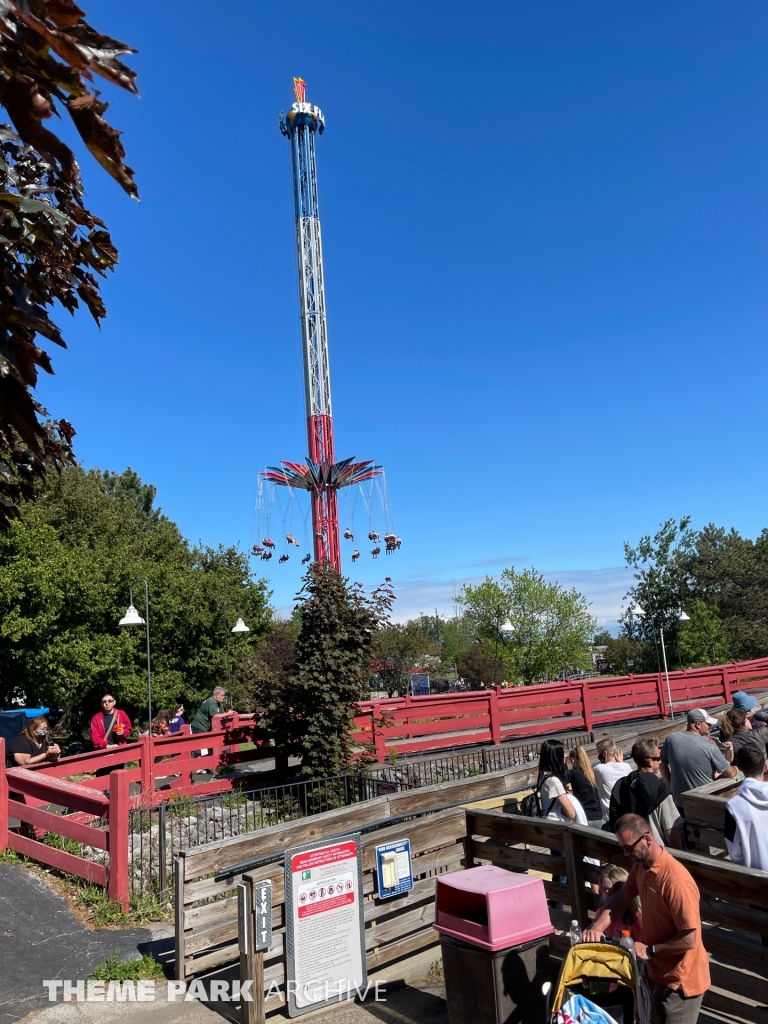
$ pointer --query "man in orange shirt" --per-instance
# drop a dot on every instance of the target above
(676, 959)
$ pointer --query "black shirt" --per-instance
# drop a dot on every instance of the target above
(585, 794)
(21, 744)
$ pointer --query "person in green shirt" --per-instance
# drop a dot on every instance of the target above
(210, 707)
(202, 721)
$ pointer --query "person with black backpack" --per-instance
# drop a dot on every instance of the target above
(556, 801)
(643, 792)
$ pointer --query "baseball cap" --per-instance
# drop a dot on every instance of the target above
(700, 715)
(743, 701)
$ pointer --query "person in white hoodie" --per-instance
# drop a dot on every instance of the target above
(746, 814)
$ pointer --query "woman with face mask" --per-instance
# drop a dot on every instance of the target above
(31, 747)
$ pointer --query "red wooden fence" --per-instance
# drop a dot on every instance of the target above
(497, 714)
(98, 806)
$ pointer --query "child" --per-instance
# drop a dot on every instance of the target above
(612, 878)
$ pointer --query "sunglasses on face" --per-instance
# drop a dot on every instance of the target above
(626, 850)
(107, 702)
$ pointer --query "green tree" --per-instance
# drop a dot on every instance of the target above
(536, 629)
(53, 248)
(662, 572)
(65, 569)
(402, 646)
(478, 665)
(704, 639)
(314, 714)
(624, 655)
(729, 573)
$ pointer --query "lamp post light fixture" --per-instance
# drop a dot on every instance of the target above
(132, 618)
(239, 627)
(682, 617)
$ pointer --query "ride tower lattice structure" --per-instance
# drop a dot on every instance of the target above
(320, 474)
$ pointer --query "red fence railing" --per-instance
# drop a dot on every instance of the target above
(96, 807)
(497, 714)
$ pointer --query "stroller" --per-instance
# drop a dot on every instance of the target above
(608, 977)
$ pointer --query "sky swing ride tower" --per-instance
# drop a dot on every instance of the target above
(320, 474)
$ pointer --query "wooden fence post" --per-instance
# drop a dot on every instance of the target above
(586, 705)
(249, 1008)
(119, 809)
(3, 799)
(661, 696)
(179, 969)
(576, 880)
(493, 709)
(147, 767)
(726, 687)
(379, 742)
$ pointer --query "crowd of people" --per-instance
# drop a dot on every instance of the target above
(656, 902)
(109, 728)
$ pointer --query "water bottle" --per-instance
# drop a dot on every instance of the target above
(627, 941)
(576, 933)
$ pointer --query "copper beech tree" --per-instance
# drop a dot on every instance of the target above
(52, 248)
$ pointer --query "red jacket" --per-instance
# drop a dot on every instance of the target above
(97, 729)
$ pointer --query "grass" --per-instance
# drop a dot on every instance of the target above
(62, 843)
(114, 968)
(102, 911)
(231, 801)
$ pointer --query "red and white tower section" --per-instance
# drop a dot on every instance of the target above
(320, 474)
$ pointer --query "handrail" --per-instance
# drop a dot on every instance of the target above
(432, 722)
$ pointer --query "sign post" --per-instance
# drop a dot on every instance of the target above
(325, 931)
(262, 940)
(245, 943)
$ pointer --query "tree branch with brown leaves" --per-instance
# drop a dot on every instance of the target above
(52, 248)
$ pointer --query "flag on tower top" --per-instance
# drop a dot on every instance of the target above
(299, 89)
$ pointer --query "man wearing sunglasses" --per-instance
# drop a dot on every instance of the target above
(109, 727)
(676, 959)
(645, 793)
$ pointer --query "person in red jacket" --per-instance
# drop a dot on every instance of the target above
(109, 727)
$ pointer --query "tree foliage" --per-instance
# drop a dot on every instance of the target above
(537, 629)
(661, 567)
(480, 665)
(311, 710)
(718, 578)
(397, 648)
(65, 570)
(52, 248)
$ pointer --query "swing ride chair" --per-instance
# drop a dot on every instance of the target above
(365, 481)
(607, 976)
(320, 474)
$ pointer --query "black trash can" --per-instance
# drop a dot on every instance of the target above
(506, 986)
(494, 931)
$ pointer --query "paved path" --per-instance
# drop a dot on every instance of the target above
(40, 937)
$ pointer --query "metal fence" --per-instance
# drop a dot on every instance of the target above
(465, 764)
(158, 833)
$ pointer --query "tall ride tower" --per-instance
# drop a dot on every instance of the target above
(321, 475)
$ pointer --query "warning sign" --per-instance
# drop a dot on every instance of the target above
(324, 917)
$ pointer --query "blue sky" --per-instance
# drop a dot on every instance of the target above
(545, 244)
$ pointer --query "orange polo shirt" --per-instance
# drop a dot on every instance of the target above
(670, 901)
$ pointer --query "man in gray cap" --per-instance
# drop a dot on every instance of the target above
(690, 759)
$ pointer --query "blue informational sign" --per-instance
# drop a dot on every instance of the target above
(420, 685)
(393, 868)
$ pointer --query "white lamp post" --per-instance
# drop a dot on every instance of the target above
(239, 627)
(682, 617)
(132, 618)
